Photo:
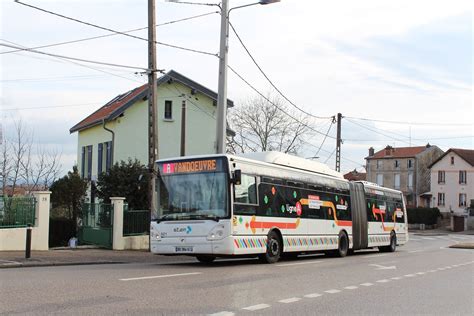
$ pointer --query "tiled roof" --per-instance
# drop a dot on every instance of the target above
(105, 112)
(120, 103)
(466, 154)
(355, 176)
(397, 152)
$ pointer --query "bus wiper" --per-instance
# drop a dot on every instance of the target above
(205, 216)
(162, 218)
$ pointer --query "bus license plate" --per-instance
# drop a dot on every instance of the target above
(184, 249)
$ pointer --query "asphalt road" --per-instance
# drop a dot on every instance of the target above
(422, 277)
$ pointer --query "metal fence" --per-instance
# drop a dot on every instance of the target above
(17, 212)
(97, 215)
(135, 222)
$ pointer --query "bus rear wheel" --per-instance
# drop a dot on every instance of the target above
(393, 244)
(206, 259)
(343, 245)
(274, 249)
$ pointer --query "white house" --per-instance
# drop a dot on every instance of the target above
(186, 119)
(452, 180)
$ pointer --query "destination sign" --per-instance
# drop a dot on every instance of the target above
(193, 166)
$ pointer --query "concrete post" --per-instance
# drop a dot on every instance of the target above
(40, 236)
(118, 242)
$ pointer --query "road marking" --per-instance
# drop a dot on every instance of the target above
(352, 287)
(448, 267)
(290, 300)
(256, 307)
(297, 263)
(420, 273)
(428, 238)
(410, 275)
(381, 267)
(441, 269)
(413, 251)
(432, 271)
(313, 295)
(383, 281)
(332, 291)
(224, 313)
(367, 284)
(396, 278)
(414, 239)
(161, 276)
(376, 256)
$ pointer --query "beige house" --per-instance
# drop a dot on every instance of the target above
(186, 119)
(452, 180)
(403, 168)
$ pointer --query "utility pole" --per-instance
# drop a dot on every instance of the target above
(222, 92)
(338, 143)
(152, 128)
(183, 128)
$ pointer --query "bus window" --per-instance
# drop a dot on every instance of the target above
(245, 192)
(272, 200)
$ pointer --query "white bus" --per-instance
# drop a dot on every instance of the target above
(270, 205)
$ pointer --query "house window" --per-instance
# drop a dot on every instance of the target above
(397, 164)
(380, 179)
(462, 177)
(462, 199)
(441, 177)
(104, 157)
(397, 181)
(441, 199)
(410, 180)
(410, 163)
(86, 162)
(379, 164)
(452, 160)
(168, 110)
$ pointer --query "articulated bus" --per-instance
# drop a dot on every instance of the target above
(270, 205)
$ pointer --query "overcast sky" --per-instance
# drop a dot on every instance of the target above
(404, 61)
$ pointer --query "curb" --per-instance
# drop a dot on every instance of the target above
(56, 264)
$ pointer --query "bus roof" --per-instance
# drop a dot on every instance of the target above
(286, 160)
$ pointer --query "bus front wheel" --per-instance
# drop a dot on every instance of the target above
(274, 248)
(205, 259)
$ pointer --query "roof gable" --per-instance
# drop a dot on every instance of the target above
(120, 103)
(465, 154)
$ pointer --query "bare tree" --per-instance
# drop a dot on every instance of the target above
(25, 162)
(266, 124)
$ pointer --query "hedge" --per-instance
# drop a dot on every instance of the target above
(423, 215)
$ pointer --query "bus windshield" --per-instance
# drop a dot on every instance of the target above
(193, 196)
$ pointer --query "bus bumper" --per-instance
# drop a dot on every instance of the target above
(192, 246)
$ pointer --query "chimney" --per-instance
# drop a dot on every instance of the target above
(388, 150)
(371, 151)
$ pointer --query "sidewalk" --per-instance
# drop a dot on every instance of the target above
(80, 256)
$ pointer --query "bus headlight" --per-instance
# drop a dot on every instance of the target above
(155, 235)
(216, 233)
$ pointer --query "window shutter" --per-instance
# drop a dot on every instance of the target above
(99, 158)
(89, 160)
(108, 156)
(83, 162)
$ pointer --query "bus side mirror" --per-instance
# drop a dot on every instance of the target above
(237, 176)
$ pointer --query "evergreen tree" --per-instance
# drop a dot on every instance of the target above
(125, 179)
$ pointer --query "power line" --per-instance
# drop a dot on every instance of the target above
(327, 133)
(73, 58)
(419, 139)
(192, 3)
(49, 107)
(375, 131)
(407, 123)
(114, 31)
(49, 79)
(275, 105)
(269, 80)
(114, 34)
(77, 64)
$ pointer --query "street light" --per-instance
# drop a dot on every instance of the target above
(222, 88)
